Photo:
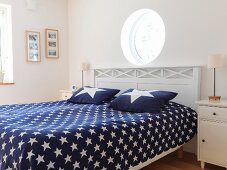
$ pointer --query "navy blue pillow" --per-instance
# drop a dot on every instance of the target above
(91, 95)
(166, 96)
(137, 101)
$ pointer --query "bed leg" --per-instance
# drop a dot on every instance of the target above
(202, 165)
(180, 152)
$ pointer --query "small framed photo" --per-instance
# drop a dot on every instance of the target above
(52, 44)
(32, 45)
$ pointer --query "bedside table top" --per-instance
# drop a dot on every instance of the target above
(222, 103)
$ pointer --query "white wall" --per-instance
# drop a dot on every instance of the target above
(37, 81)
(194, 30)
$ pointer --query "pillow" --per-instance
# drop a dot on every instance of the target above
(91, 95)
(165, 96)
(137, 101)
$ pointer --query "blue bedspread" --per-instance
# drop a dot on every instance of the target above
(62, 135)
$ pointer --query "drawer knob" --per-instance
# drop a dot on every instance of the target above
(214, 114)
(203, 140)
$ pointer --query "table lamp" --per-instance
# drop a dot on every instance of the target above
(84, 67)
(214, 61)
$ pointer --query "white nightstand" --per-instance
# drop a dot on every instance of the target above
(65, 94)
(212, 133)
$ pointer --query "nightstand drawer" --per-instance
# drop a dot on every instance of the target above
(212, 112)
(66, 95)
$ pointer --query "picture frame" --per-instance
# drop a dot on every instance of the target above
(52, 43)
(33, 46)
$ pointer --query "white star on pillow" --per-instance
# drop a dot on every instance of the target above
(135, 94)
(90, 91)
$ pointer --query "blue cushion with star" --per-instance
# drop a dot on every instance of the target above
(141, 101)
(91, 95)
(165, 96)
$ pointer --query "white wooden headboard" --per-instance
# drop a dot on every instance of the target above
(183, 80)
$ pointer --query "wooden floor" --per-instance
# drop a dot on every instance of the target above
(188, 162)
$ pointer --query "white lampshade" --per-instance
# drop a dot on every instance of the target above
(85, 66)
(215, 61)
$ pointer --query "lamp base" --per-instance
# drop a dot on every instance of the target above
(214, 98)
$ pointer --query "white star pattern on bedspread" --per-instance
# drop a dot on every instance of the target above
(135, 94)
(90, 91)
(62, 135)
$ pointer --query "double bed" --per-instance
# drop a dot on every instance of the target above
(63, 135)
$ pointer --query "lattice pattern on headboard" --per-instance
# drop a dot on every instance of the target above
(167, 73)
(184, 80)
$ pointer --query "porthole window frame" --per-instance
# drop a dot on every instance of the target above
(128, 36)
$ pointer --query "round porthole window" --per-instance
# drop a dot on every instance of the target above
(143, 36)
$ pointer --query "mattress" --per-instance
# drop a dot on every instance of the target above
(62, 135)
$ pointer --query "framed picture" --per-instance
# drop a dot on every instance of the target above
(52, 44)
(33, 46)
